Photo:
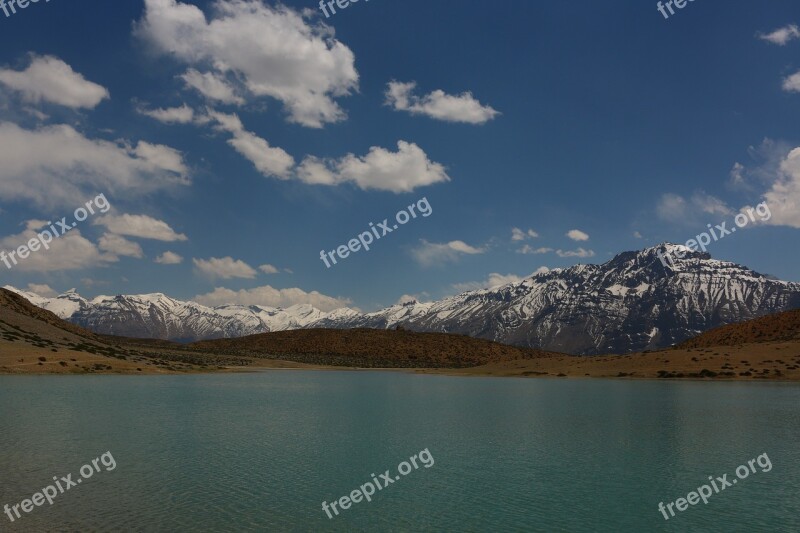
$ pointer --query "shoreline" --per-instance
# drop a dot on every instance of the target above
(777, 362)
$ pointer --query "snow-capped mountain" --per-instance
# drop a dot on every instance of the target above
(158, 316)
(632, 302)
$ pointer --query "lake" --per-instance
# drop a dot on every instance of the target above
(262, 451)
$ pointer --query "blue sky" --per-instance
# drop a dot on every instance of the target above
(240, 135)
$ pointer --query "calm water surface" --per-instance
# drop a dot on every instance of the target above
(260, 452)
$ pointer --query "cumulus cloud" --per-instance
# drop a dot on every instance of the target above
(781, 36)
(268, 160)
(71, 251)
(269, 51)
(519, 235)
(691, 211)
(141, 226)
(783, 195)
(169, 258)
(224, 267)
(431, 253)
(120, 246)
(170, 115)
(268, 269)
(791, 84)
(270, 297)
(528, 249)
(35, 159)
(214, 87)
(162, 156)
(49, 79)
(400, 171)
(42, 290)
(580, 252)
(411, 298)
(381, 169)
(577, 235)
(438, 105)
(496, 280)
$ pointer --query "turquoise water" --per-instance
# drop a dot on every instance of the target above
(260, 452)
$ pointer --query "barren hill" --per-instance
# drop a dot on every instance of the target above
(370, 348)
(33, 340)
(779, 327)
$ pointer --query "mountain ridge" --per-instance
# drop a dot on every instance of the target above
(633, 302)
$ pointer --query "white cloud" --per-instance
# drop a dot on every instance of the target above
(49, 79)
(270, 51)
(528, 249)
(225, 268)
(577, 235)
(169, 258)
(268, 269)
(36, 113)
(496, 280)
(270, 297)
(212, 86)
(519, 235)
(782, 36)
(32, 160)
(438, 105)
(170, 115)
(410, 298)
(430, 253)
(141, 226)
(120, 246)
(580, 252)
(71, 251)
(738, 180)
(42, 290)
(161, 156)
(783, 196)
(692, 211)
(791, 84)
(269, 161)
(637, 235)
(401, 171)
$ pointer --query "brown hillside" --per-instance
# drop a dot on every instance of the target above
(370, 348)
(16, 303)
(35, 341)
(779, 327)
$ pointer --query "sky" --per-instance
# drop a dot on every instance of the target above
(226, 144)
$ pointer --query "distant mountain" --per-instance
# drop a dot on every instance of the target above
(631, 303)
(157, 316)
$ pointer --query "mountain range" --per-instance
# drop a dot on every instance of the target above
(633, 302)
